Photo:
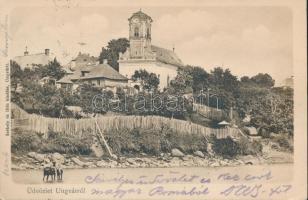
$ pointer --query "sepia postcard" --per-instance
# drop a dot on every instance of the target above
(153, 99)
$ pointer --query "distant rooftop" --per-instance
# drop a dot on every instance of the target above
(30, 60)
(81, 60)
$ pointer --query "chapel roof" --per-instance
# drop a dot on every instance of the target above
(166, 56)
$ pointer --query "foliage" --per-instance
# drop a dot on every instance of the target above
(284, 141)
(16, 75)
(25, 141)
(250, 148)
(153, 142)
(53, 70)
(226, 147)
(149, 81)
(220, 83)
(111, 53)
(270, 108)
(44, 100)
(182, 83)
(261, 80)
(85, 93)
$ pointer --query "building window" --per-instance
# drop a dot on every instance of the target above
(136, 32)
(98, 82)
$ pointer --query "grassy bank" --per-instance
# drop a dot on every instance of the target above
(134, 142)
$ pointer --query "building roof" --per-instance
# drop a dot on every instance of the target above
(83, 57)
(67, 70)
(66, 79)
(47, 78)
(167, 56)
(252, 130)
(94, 71)
(33, 59)
(140, 15)
(223, 123)
(102, 71)
(81, 60)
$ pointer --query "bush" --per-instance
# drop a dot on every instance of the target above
(188, 143)
(121, 142)
(153, 142)
(264, 133)
(284, 142)
(24, 141)
(250, 148)
(226, 147)
(257, 147)
(149, 142)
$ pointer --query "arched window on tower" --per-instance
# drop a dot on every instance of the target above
(136, 32)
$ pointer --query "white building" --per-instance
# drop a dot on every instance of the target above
(143, 55)
(32, 60)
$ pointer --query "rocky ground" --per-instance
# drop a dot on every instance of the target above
(34, 160)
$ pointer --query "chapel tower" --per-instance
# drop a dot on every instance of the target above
(139, 34)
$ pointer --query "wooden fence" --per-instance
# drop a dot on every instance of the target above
(208, 112)
(71, 126)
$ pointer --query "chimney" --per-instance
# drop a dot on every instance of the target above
(47, 52)
(105, 61)
(26, 51)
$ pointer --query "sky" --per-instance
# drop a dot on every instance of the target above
(247, 40)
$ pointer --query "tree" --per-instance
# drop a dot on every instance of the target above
(182, 83)
(111, 53)
(245, 79)
(15, 74)
(261, 80)
(230, 82)
(200, 79)
(149, 81)
(216, 77)
(53, 69)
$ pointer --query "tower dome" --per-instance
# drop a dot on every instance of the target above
(140, 15)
